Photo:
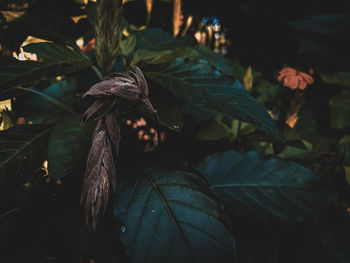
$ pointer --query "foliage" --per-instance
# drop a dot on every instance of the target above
(227, 164)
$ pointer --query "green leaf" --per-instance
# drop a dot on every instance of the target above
(23, 149)
(169, 115)
(57, 60)
(324, 24)
(223, 64)
(171, 216)
(155, 46)
(152, 37)
(215, 130)
(299, 151)
(68, 146)
(52, 103)
(339, 78)
(266, 189)
(344, 147)
(340, 110)
(196, 81)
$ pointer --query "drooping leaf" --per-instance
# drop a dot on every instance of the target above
(57, 60)
(171, 216)
(267, 189)
(324, 24)
(340, 110)
(196, 81)
(23, 149)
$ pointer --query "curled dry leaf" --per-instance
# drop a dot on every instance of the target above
(100, 173)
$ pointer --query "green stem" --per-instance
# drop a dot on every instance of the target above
(97, 71)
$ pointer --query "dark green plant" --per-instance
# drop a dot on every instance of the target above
(183, 200)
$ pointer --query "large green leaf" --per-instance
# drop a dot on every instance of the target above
(197, 81)
(142, 41)
(155, 46)
(171, 216)
(261, 188)
(68, 146)
(22, 151)
(52, 103)
(151, 38)
(57, 60)
(223, 64)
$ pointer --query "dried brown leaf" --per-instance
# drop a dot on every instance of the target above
(100, 173)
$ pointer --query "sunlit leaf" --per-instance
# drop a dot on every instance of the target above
(266, 189)
(57, 60)
(171, 216)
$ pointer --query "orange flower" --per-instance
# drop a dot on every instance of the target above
(294, 79)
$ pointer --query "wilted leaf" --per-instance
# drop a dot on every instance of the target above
(23, 149)
(171, 216)
(57, 60)
(267, 189)
(196, 81)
